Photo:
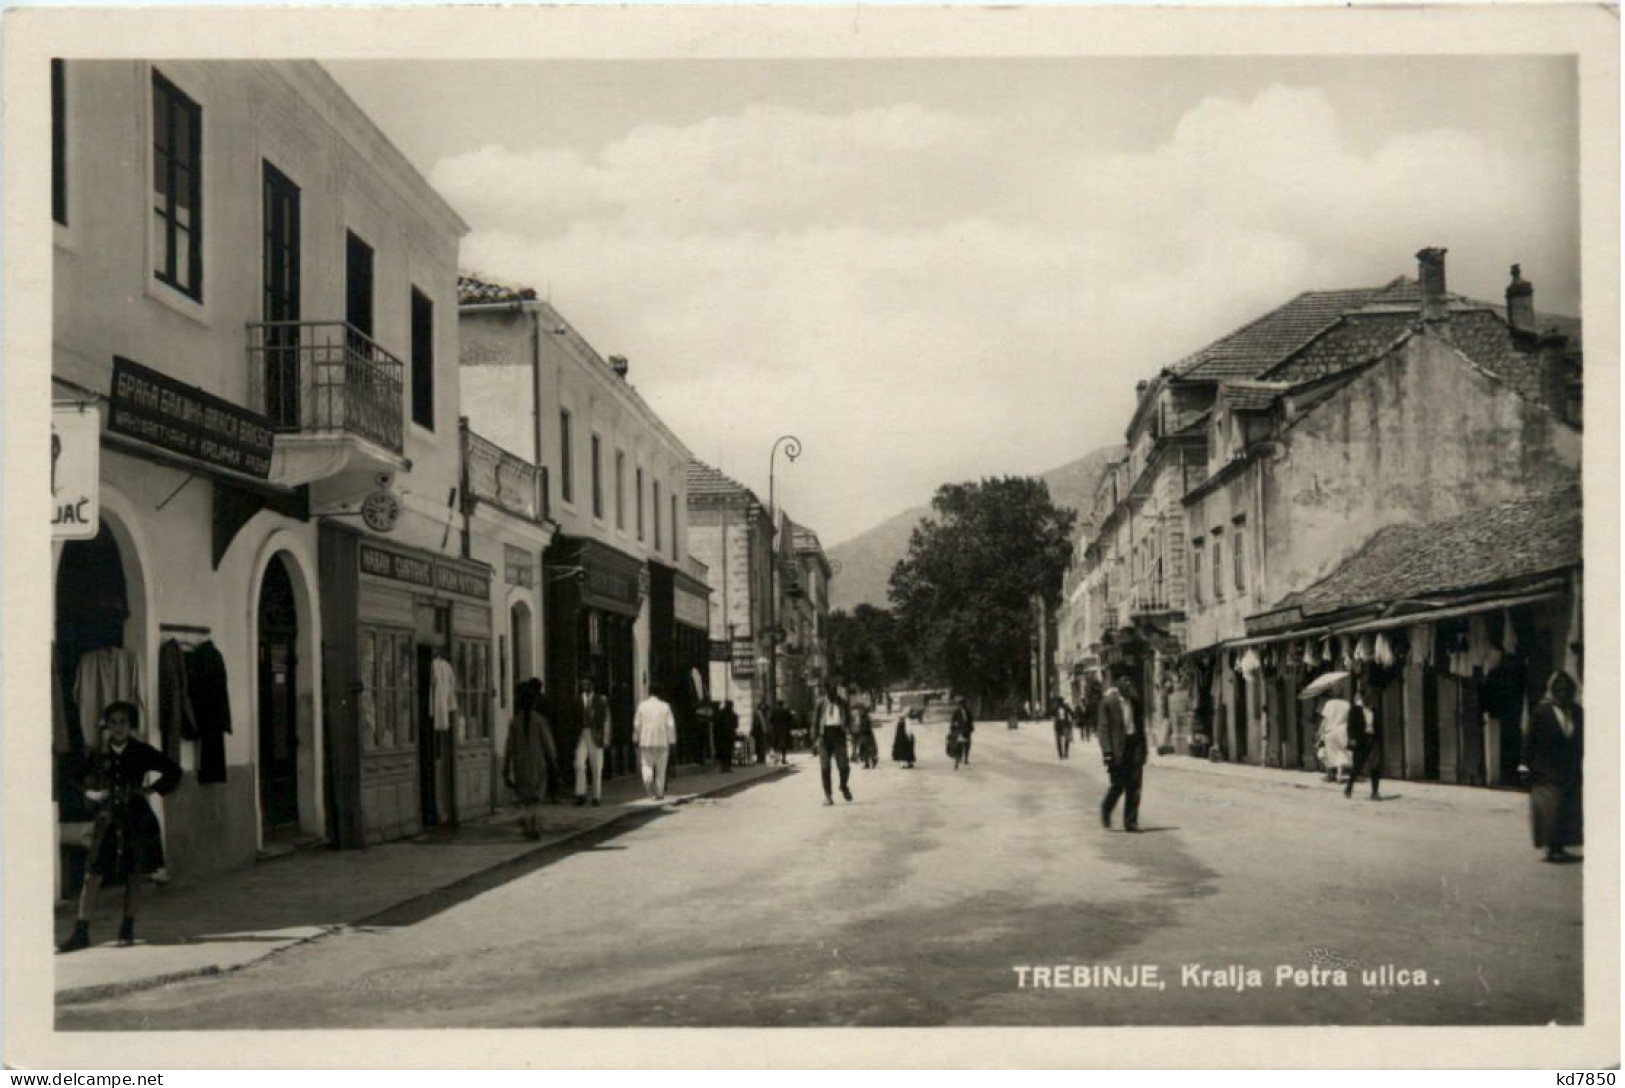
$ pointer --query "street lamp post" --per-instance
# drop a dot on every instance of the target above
(792, 450)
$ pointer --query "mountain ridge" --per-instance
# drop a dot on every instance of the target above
(866, 560)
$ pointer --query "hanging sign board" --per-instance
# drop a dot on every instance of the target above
(76, 443)
(183, 419)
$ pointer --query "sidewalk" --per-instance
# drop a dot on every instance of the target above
(228, 920)
(1397, 789)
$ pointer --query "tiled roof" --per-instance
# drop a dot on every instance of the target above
(1533, 535)
(1251, 396)
(705, 481)
(473, 291)
(1260, 344)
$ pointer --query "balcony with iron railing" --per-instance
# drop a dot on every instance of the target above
(326, 379)
(505, 480)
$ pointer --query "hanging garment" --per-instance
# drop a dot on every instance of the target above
(1422, 644)
(62, 730)
(1382, 652)
(1509, 633)
(210, 697)
(442, 694)
(103, 677)
(1311, 653)
(1250, 662)
(175, 719)
(1362, 648)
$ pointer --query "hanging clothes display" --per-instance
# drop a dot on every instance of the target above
(105, 676)
(175, 718)
(1250, 662)
(442, 694)
(1422, 644)
(62, 730)
(1382, 652)
(210, 698)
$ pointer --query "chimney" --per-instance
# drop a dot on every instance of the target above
(1430, 275)
(1520, 302)
(620, 366)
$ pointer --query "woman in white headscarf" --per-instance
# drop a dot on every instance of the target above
(1333, 737)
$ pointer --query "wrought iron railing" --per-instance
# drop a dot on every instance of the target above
(326, 377)
(503, 479)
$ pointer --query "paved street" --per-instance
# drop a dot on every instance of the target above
(915, 904)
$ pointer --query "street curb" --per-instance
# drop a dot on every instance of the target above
(81, 995)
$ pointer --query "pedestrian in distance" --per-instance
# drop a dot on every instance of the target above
(758, 733)
(1365, 741)
(1334, 735)
(724, 732)
(902, 744)
(831, 726)
(1123, 748)
(782, 723)
(654, 731)
(126, 840)
(868, 747)
(1553, 752)
(594, 710)
(1089, 715)
(962, 727)
(1014, 721)
(1063, 728)
(524, 758)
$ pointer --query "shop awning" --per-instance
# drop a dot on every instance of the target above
(1412, 619)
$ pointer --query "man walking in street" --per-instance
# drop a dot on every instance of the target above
(1063, 728)
(654, 730)
(831, 727)
(964, 723)
(780, 724)
(1122, 746)
(594, 710)
(723, 729)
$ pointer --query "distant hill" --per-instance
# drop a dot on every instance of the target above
(868, 558)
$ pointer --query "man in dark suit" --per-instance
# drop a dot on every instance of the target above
(1122, 745)
(724, 727)
(831, 726)
(594, 711)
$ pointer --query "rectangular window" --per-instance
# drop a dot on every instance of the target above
(1239, 553)
(674, 526)
(567, 476)
(639, 500)
(597, 477)
(177, 177)
(1196, 572)
(59, 142)
(657, 515)
(620, 490)
(422, 360)
(1218, 569)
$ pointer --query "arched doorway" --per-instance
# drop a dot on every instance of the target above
(89, 662)
(519, 641)
(278, 705)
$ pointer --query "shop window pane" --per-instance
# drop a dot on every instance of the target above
(369, 683)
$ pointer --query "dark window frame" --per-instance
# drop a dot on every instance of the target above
(170, 107)
(620, 490)
(567, 483)
(422, 311)
(673, 523)
(656, 505)
(59, 141)
(640, 502)
(597, 476)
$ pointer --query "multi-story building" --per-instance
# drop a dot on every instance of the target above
(254, 293)
(620, 597)
(731, 532)
(1418, 408)
(804, 616)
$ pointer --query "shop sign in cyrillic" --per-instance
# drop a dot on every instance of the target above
(183, 419)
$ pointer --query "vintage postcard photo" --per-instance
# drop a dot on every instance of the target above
(811, 522)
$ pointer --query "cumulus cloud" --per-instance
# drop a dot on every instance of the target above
(920, 303)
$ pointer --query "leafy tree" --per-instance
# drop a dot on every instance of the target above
(867, 649)
(961, 596)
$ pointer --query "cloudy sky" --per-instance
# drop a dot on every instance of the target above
(938, 270)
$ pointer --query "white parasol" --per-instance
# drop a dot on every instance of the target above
(1322, 684)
